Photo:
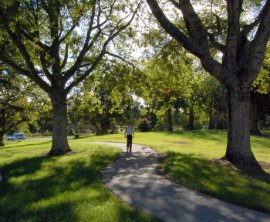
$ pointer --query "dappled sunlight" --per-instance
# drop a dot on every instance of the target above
(137, 180)
(63, 188)
(37, 185)
(221, 181)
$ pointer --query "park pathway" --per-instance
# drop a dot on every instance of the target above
(134, 178)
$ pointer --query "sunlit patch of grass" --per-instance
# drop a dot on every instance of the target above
(63, 188)
(188, 158)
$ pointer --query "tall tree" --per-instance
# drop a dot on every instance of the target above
(58, 43)
(242, 51)
(171, 84)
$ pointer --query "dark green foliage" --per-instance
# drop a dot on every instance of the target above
(144, 126)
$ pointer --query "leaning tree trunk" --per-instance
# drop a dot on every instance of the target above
(59, 137)
(238, 147)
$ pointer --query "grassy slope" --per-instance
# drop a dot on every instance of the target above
(66, 188)
(189, 158)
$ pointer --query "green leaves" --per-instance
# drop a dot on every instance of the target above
(262, 83)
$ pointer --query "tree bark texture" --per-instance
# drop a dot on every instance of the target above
(238, 146)
(59, 138)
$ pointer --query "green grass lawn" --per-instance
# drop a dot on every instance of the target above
(69, 188)
(189, 160)
(64, 188)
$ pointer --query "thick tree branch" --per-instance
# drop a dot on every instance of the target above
(248, 28)
(259, 43)
(170, 28)
(234, 9)
(44, 65)
(26, 73)
(86, 73)
(215, 44)
(16, 67)
(85, 47)
(17, 41)
(201, 51)
(211, 36)
(81, 56)
(65, 58)
(193, 23)
(33, 38)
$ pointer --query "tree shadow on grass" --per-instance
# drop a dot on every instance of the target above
(220, 181)
(48, 188)
(255, 172)
(18, 198)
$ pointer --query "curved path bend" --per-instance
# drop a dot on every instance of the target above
(133, 177)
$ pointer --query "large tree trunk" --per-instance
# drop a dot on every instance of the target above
(238, 147)
(59, 138)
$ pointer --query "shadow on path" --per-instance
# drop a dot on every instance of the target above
(133, 177)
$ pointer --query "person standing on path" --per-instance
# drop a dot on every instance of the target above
(129, 134)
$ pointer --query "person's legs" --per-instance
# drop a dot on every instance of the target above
(129, 142)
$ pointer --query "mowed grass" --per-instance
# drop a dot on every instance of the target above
(188, 159)
(63, 188)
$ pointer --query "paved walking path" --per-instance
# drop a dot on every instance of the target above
(133, 177)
